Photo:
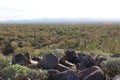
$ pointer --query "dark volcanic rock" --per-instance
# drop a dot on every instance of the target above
(64, 62)
(18, 58)
(80, 57)
(49, 61)
(71, 56)
(99, 59)
(68, 64)
(27, 55)
(7, 50)
(53, 71)
(23, 59)
(65, 75)
(88, 61)
(115, 55)
(80, 67)
(61, 68)
(74, 57)
(92, 73)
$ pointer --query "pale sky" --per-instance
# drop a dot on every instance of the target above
(32, 9)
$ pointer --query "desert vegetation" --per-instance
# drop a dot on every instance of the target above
(83, 37)
(99, 45)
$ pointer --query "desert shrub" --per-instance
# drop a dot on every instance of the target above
(26, 44)
(98, 52)
(24, 49)
(1, 37)
(112, 66)
(4, 61)
(57, 52)
(17, 72)
(92, 45)
(14, 45)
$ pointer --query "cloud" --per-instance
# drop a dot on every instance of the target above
(29, 9)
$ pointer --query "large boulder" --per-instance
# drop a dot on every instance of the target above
(92, 73)
(17, 58)
(22, 59)
(49, 61)
(65, 75)
(80, 57)
(87, 62)
(71, 55)
(74, 56)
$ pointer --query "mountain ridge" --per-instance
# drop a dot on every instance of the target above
(60, 20)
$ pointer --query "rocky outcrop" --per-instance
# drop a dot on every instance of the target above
(72, 66)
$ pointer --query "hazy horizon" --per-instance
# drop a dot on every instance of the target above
(56, 9)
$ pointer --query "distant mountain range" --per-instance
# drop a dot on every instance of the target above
(61, 20)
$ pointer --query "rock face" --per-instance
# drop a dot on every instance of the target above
(49, 61)
(92, 73)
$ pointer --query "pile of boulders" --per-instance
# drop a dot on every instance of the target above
(72, 66)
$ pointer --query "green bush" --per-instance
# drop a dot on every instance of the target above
(14, 45)
(1, 37)
(112, 66)
(57, 52)
(17, 72)
(24, 49)
(4, 61)
(92, 45)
